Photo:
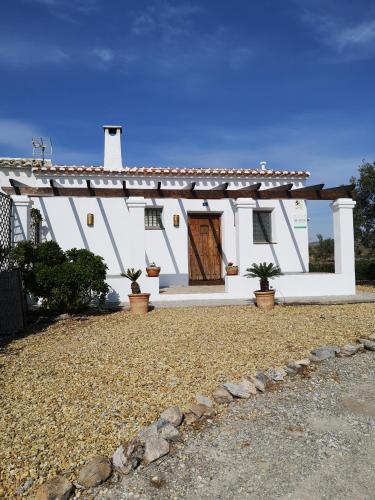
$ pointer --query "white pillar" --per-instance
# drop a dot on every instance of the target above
(21, 218)
(244, 233)
(344, 235)
(136, 237)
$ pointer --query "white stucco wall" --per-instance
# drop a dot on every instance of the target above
(118, 235)
(113, 231)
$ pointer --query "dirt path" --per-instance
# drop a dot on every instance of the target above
(311, 438)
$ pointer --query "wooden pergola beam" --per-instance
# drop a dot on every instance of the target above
(338, 192)
(54, 188)
(90, 188)
(160, 190)
(245, 192)
(307, 190)
(252, 188)
(281, 192)
(15, 186)
(125, 189)
(275, 192)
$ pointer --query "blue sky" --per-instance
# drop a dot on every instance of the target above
(206, 83)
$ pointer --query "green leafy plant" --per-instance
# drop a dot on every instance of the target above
(264, 272)
(35, 225)
(133, 275)
(322, 250)
(36, 216)
(65, 281)
(364, 211)
(4, 253)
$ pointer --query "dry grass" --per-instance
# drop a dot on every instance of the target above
(365, 288)
(79, 388)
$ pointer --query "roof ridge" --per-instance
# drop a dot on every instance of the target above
(194, 171)
(48, 167)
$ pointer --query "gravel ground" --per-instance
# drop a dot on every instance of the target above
(365, 288)
(310, 438)
(79, 388)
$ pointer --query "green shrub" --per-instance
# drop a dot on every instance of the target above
(365, 269)
(322, 267)
(65, 281)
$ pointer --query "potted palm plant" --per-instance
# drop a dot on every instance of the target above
(231, 269)
(153, 270)
(264, 298)
(138, 301)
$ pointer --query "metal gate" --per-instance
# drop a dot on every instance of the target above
(12, 304)
(5, 230)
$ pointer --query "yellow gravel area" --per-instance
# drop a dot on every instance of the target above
(365, 288)
(78, 388)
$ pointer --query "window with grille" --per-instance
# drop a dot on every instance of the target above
(153, 218)
(262, 228)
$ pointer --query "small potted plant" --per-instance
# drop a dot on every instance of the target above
(264, 298)
(231, 269)
(153, 270)
(138, 301)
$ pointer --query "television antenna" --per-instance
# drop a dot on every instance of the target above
(42, 147)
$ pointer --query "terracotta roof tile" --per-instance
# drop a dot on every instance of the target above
(194, 172)
(48, 167)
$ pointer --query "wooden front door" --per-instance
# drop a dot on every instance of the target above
(204, 248)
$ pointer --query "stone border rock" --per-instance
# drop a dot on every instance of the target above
(153, 442)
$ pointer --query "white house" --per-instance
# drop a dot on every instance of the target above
(190, 221)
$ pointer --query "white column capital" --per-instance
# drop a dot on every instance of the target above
(136, 202)
(245, 203)
(21, 200)
(343, 203)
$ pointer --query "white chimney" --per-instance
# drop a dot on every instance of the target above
(263, 165)
(112, 147)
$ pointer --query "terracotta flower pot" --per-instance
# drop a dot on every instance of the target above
(232, 270)
(139, 303)
(153, 272)
(265, 300)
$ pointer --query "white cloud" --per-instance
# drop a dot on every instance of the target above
(104, 55)
(360, 34)
(15, 141)
(171, 41)
(331, 153)
(166, 18)
(348, 39)
(143, 24)
(59, 7)
(24, 53)
(16, 136)
(164, 39)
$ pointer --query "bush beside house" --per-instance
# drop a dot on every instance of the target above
(65, 281)
(322, 259)
(364, 269)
